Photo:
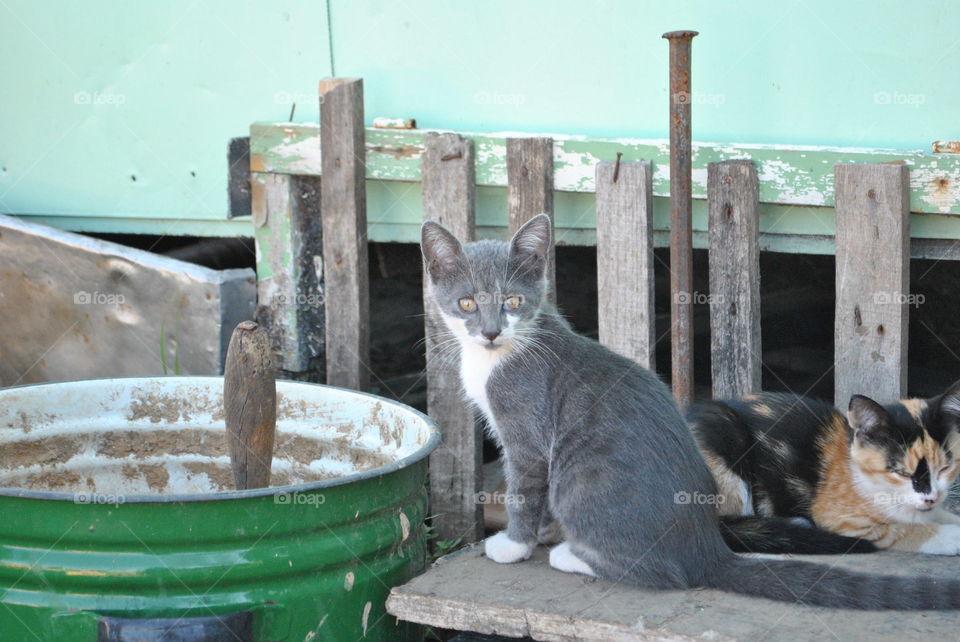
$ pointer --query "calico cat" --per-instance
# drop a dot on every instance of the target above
(875, 481)
(597, 441)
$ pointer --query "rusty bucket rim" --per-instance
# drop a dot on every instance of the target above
(224, 495)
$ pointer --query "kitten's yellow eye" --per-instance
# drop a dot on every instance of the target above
(468, 304)
(904, 474)
(512, 302)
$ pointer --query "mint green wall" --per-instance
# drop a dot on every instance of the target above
(176, 79)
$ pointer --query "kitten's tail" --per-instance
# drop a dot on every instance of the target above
(783, 535)
(819, 585)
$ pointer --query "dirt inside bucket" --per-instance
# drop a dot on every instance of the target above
(168, 461)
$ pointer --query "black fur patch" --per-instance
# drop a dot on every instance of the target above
(921, 476)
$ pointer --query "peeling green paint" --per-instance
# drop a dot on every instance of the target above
(798, 175)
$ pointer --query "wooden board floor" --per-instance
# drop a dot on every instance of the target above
(466, 591)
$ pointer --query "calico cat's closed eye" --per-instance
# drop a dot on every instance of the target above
(468, 304)
(512, 302)
(903, 473)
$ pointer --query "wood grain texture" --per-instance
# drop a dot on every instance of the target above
(287, 229)
(872, 282)
(734, 230)
(449, 198)
(530, 190)
(625, 260)
(466, 591)
(344, 208)
(250, 405)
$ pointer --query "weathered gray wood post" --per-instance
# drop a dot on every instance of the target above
(530, 189)
(625, 259)
(872, 282)
(734, 223)
(449, 188)
(344, 207)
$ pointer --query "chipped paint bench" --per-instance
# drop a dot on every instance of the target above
(467, 592)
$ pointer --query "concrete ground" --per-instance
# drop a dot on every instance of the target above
(465, 591)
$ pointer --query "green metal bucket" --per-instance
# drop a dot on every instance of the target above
(117, 522)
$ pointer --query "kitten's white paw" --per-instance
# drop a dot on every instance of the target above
(504, 550)
(563, 559)
(945, 542)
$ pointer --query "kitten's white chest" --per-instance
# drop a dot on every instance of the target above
(476, 366)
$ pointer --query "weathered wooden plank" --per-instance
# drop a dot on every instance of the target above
(872, 283)
(466, 591)
(734, 214)
(290, 303)
(790, 175)
(449, 198)
(344, 208)
(530, 189)
(625, 259)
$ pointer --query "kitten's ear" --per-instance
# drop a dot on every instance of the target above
(866, 416)
(530, 245)
(442, 252)
(948, 406)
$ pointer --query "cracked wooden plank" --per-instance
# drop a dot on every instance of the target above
(626, 314)
(734, 279)
(343, 208)
(449, 198)
(872, 283)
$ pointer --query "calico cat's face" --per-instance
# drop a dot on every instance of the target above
(905, 454)
(489, 292)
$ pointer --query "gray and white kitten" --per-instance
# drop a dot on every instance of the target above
(598, 441)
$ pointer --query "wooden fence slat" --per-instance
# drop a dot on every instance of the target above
(734, 231)
(344, 208)
(449, 197)
(872, 281)
(530, 189)
(625, 259)
(288, 235)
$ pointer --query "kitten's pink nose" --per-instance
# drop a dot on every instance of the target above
(929, 501)
(490, 335)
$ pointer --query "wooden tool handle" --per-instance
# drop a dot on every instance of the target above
(250, 402)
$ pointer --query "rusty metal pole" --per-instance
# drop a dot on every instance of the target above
(681, 231)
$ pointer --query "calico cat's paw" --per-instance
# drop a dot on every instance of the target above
(945, 542)
(504, 550)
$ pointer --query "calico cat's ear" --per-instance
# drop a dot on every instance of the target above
(948, 406)
(866, 416)
(442, 252)
(531, 244)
